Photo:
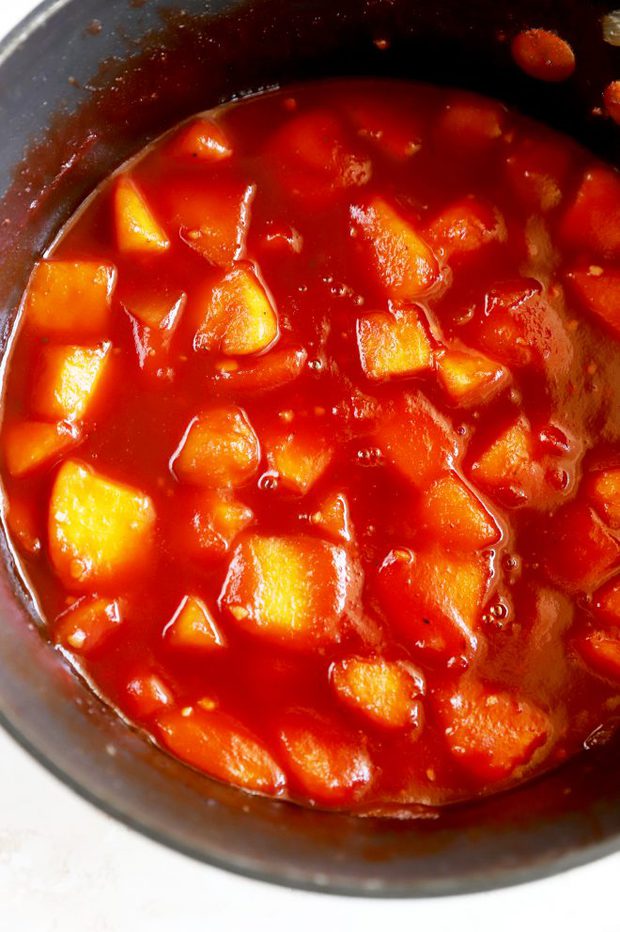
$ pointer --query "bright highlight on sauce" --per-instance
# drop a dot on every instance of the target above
(311, 444)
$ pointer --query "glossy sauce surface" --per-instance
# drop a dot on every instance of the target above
(311, 444)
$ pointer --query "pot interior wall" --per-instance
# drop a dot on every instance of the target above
(87, 86)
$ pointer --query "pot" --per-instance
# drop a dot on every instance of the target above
(84, 85)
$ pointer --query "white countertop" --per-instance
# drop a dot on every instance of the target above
(66, 867)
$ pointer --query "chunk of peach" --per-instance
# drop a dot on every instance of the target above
(510, 470)
(391, 132)
(218, 745)
(202, 139)
(403, 261)
(193, 626)
(315, 158)
(466, 227)
(330, 764)
(273, 370)
(579, 552)
(333, 517)
(604, 493)
(137, 229)
(30, 445)
(394, 343)
(87, 625)
(296, 590)
(469, 378)
(205, 524)
(101, 532)
(385, 692)
(147, 694)
(213, 221)
(490, 732)
(597, 289)
(299, 457)
(537, 171)
(240, 318)
(434, 599)
(67, 380)
(600, 649)
(592, 220)
(470, 126)
(219, 449)
(455, 516)
(154, 320)
(70, 299)
(415, 438)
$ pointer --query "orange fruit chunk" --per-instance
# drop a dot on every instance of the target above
(70, 298)
(29, 445)
(385, 693)
(137, 229)
(85, 627)
(67, 380)
(193, 626)
(394, 343)
(219, 449)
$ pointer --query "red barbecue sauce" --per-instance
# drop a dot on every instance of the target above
(311, 444)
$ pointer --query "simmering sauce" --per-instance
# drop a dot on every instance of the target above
(311, 444)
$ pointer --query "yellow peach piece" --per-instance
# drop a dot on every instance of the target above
(296, 590)
(204, 140)
(218, 450)
(334, 517)
(28, 445)
(100, 531)
(70, 298)
(240, 317)
(67, 380)
(137, 230)
(469, 378)
(193, 626)
(394, 343)
(87, 625)
(386, 692)
(605, 495)
(456, 517)
(299, 457)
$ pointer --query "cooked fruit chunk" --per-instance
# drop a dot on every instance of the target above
(592, 220)
(213, 221)
(470, 126)
(334, 517)
(579, 552)
(274, 370)
(491, 733)
(537, 170)
(154, 319)
(330, 765)
(137, 230)
(600, 649)
(394, 343)
(604, 493)
(29, 445)
(240, 318)
(606, 602)
(404, 262)
(455, 516)
(465, 227)
(514, 473)
(416, 439)
(193, 626)
(598, 290)
(470, 378)
(219, 449)
(222, 747)
(300, 457)
(204, 140)
(67, 380)
(391, 132)
(70, 299)
(147, 694)
(387, 693)
(100, 531)
(205, 524)
(434, 598)
(297, 590)
(87, 625)
(314, 157)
